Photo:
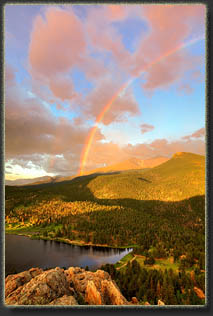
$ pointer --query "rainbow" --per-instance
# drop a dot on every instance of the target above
(106, 108)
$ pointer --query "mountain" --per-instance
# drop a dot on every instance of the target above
(177, 178)
(130, 164)
(27, 181)
(180, 177)
(52, 180)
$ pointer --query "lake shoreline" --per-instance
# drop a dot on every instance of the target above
(35, 236)
(23, 253)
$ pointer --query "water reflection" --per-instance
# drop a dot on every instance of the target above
(22, 253)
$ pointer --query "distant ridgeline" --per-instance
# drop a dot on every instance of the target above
(160, 211)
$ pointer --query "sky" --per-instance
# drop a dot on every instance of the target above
(88, 86)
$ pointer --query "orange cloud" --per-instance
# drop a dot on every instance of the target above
(104, 153)
(109, 153)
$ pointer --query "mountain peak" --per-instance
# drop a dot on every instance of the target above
(179, 153)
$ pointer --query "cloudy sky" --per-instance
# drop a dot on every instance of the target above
(92, 85)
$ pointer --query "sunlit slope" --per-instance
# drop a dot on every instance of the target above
(180, 177)
(130, 164)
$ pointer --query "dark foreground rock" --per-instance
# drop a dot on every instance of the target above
(57, 286)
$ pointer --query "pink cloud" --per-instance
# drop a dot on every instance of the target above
(31, 128)
(162, 147)
(62, 88)
(197, 76)
(185, 88)
(103, 37)
(56, 42)
(146, 128)
(117, 12)
(121, 106)
(197, 134)
(169, 26)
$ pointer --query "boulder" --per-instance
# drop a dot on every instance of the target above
(41, 289)
(135, 300)
(199, 292)
(13, 281)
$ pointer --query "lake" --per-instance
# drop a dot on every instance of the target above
(23, 253)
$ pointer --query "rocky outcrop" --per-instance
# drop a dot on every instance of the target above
(199, 292)
(96, 288)
(57, 286)
(64, 300)
(134, 300)
(160, 302)
(13, 281)
(39, 290)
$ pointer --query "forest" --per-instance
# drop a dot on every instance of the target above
(150, 285)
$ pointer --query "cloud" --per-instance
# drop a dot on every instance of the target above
(117, 12)
(105, 92)
(62, 88)
(102, 36)
(197, 134)
(185, 89)
(55, 145)
(146, 128)
(56, 42)
(162, 147)
(32, 132)
(108, 153)
(169, 26)
(104, 153)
